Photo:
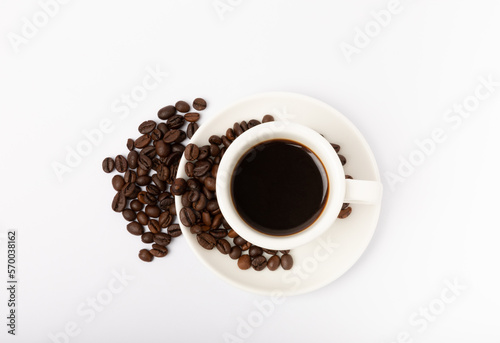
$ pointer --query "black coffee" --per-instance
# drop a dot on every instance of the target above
(279, 187)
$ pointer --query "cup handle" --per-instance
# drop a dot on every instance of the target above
(362, 191)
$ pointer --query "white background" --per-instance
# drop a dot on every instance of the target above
(440, 225)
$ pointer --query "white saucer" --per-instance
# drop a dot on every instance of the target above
(328, 257)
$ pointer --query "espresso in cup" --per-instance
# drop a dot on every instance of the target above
(279, 187)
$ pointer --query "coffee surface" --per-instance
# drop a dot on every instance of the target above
(279, 187)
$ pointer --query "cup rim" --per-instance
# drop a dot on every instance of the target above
(287, 131)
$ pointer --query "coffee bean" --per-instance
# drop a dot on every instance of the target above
(175, 122)
(345, 205)
(342, 158)
(163, 172)
(217, 221)
(182, 106)
(144, 162)
(142, 142)
(136, 205)
(206, 218)
(199, 104)
(118, 182)
(149, 151)
(162, 238)
(159, 183)
(215, 170)
(348, 177)
(165, 219)
(129, 215)
(129, 190)
(171, 136)
(153, 189)
(235, 252)
(132, 159)
(130, 176)
(195, 229)
(146, 198)
(143, 180)
(191, 129)
(336, 147)
(231, 233)
(153, 211)
(163, 128)
(174, 230)
(173, 170)
(286, 262)
(255, 251)
(239, 241)
(162, 148)
(218, 233)
(147, 126)
(201, 168)
(226, 141)
(259, 263)
(145, 255)
(192, 117)
(201, 203)
(237, 129)
(244, 262)
(230, 135)
(345, 213)
(267, 118)
(166, 112)
(246, 246)
(135, 228)
(156, 135)
(187, 216)
(244, 125)
(147, 237)
(154, 226)
(191, 153)
(273, 263)
(210, 183)
(192, 195)
(142, 218)
(206, 241)
(215, 140)
(178, 187)
(253, 123)
(108, 165)
(284, 252)
(223, 246)
(119, 202)
(159, 250)
(130, 144)
(185, 199)
(270, 252)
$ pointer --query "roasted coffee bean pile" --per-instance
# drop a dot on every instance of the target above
(144, 188)
(201, 213)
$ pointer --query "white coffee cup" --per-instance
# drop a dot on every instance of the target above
(341, 190)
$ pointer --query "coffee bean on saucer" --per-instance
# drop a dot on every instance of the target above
(192, 152)
(286, 262)
(108, 165)
(344, 213)
(178, 187)
(253, 123)
(199, 104)
(255, 251)
(267, 118)
(348, 176)
(235, 252)
(145, 255)
(206, 240)
(336, 147)
(244, 262)
(273, 263)
(223, 246)
(259, 263)
(182, 106)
